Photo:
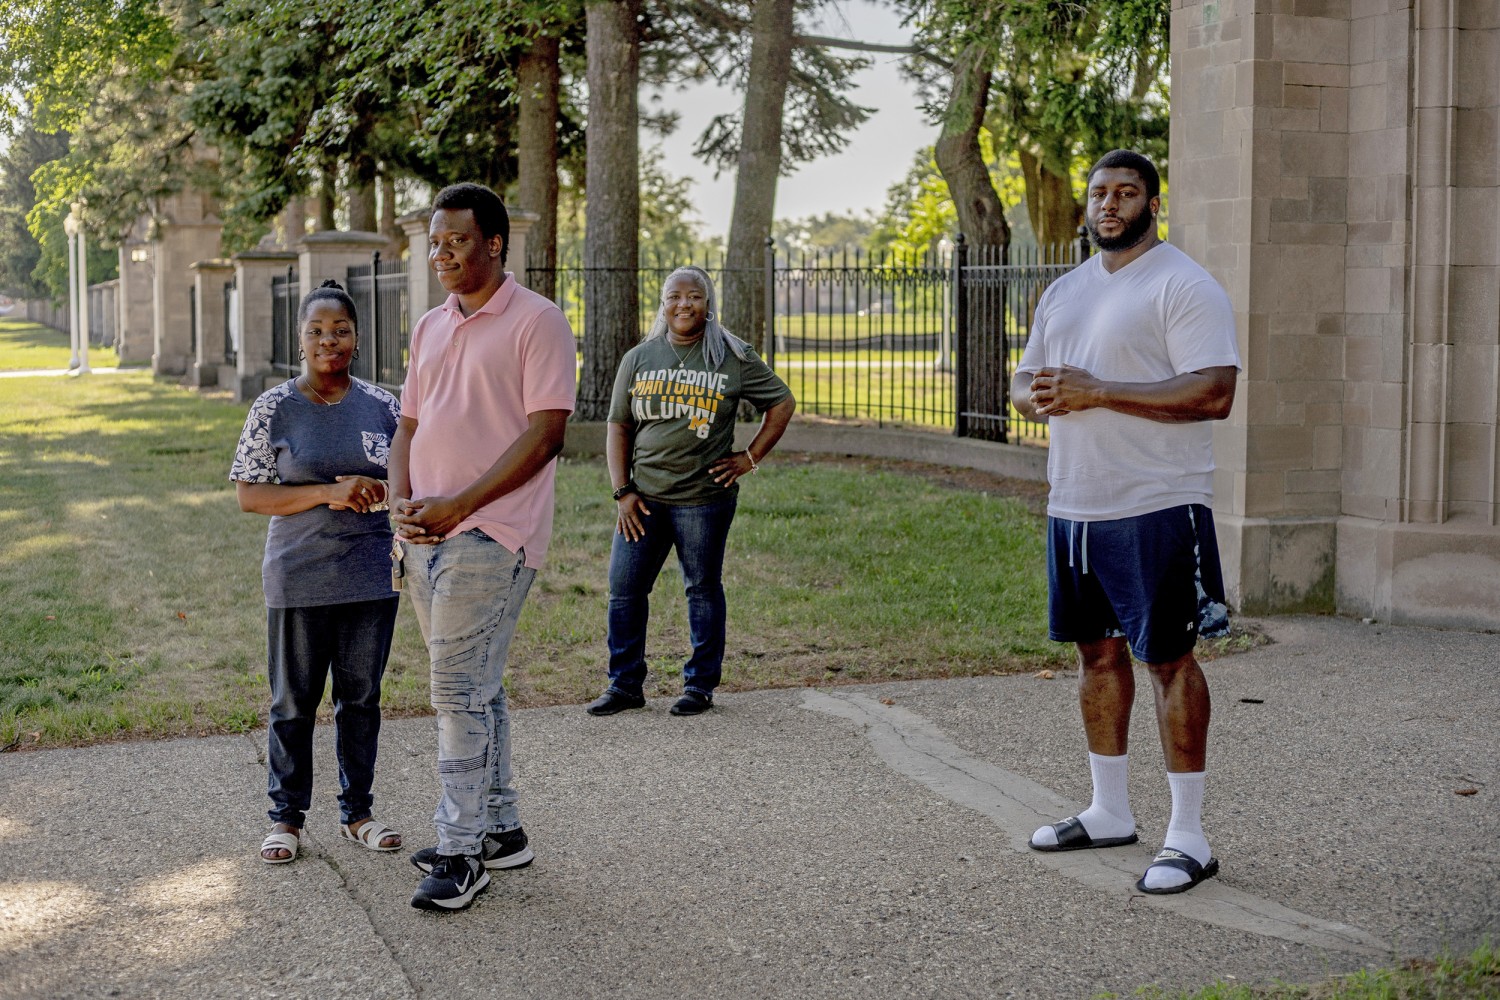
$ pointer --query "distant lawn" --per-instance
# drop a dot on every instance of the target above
(28, 346)
(132, 583)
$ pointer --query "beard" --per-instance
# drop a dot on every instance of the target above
(1131, 233)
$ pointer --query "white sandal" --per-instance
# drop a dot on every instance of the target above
(370, 835)
(277, 840)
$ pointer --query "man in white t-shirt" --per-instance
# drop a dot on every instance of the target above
(1131, 355)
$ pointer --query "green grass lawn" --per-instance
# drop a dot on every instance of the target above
(28, 346)
(1475, 976)
(132, 584)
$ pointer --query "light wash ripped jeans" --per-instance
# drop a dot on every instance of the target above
(468, 592)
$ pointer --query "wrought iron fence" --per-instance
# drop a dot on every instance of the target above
(231, 339)
(102, 315)
(929, 340)
(863, 336)
(285, 297)
(568, 280)
(192, 321)
(379, 290)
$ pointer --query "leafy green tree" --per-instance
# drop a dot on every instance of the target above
(1057, 83)
(794, 110)
(824, 233)
(107, 75)
(611, 249)
(671, 231)
(20, 253)
(919, 210)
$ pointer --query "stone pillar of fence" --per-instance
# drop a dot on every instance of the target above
(253, 271)
(133, 324)
(186, 231)
(424, 292)
(330, 254)
(103, 312)
(209, 277)
(47, 313)
(515, 253)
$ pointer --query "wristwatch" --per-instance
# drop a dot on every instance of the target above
(629, 487)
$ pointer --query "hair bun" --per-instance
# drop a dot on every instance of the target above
(331, 283)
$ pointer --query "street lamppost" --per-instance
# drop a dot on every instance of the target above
(78, 291)
(70, 228)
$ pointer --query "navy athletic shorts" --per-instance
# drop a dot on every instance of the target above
(1153, 579)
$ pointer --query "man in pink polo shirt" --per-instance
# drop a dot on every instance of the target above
(489, 386)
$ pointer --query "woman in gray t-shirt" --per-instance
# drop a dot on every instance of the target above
(313, 457)
(674, 469)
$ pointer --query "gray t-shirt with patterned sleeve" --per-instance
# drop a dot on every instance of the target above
(321, 556)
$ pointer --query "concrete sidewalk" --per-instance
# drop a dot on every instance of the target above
(847, 842)
(55, 372)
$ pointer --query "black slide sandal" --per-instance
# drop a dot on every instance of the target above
(1071, 836)
(1169, 858)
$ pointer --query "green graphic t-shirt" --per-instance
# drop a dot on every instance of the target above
(683, 415)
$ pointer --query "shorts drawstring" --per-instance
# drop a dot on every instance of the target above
(1083, 546)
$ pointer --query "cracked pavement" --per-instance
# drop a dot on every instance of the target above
(853, 841)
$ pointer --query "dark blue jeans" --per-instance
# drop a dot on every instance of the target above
(352, 641)
(698, 534)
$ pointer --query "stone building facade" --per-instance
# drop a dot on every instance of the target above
(1336, 165)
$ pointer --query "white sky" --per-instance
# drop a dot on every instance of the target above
(854, 180)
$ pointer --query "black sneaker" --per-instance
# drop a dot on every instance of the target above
(452, 884)
(501, 850)
(692, 703)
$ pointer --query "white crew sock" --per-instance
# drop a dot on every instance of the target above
(1109, 814)
(1185, 831)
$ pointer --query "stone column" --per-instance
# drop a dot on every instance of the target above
(1259, 189)
(133, 329)
(209, 278)
(515, 253)
(103, 298)
(185, 231)
(253, 271)
(425, 291)
(330, 254)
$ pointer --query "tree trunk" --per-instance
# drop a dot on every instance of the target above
(611, 245)
(328, 196)
(1055, 215)
(291, 224)
(983, 361)
(536, 153)
(981, 217)
(742, 303)
(388, 206)
(362, 203)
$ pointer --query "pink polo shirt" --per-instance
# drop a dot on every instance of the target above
(470, 384)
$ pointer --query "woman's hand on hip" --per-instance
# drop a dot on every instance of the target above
(630, 509)
(731, 467)
(355, 493)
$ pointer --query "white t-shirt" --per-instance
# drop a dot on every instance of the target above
(1159, 316)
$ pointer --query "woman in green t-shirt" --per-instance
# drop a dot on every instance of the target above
(674, 469)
